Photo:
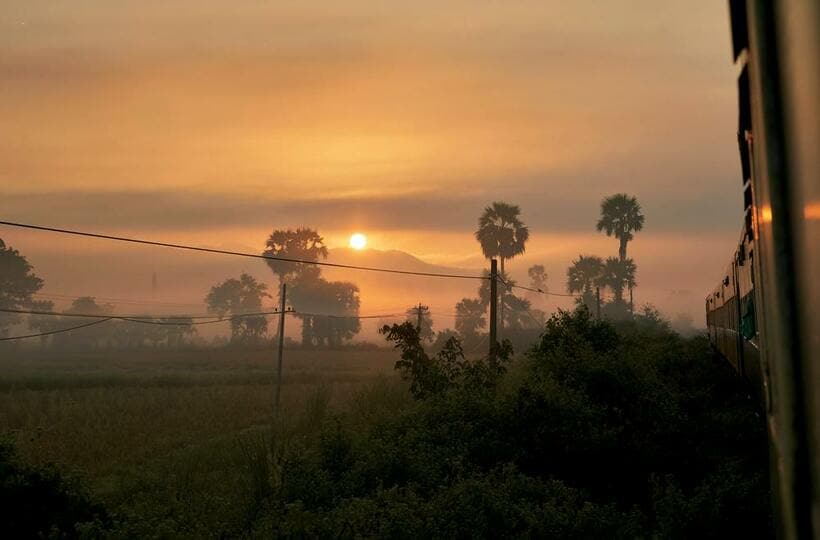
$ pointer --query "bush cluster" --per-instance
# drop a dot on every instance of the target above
(603, 431)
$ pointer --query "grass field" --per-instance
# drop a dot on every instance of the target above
(119, 419)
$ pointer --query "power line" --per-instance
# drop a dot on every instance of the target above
(539, 291)
(236, 253)
(147, 319)
(41, 334)
(166, 320)
(132, 301)
(386, 316)
(531, 289)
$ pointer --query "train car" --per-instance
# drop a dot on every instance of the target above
(731, 319)
(764, 314)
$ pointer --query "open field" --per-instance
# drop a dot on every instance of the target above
(99, 414)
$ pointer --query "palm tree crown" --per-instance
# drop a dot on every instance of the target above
(501, 232)
(620, 217)
(584, 273)
(618, 275)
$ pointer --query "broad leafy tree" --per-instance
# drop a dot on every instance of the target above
(328, 310)
(236, 297)
(44, 323)
(18, 283)
(620, 217)
(303, 244)
(92, 337)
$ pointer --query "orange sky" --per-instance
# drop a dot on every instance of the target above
(215, 122)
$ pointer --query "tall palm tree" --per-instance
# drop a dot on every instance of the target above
(501, 232)
(620, 217)
(585, 273)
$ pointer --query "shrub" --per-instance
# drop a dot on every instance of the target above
(39, 502)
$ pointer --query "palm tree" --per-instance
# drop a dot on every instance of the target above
(585, 273)
(470, 319)
(620, 217)
(619, 274)
(501, 233)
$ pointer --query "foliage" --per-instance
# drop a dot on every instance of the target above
(433, 375)
(470, 319)
(538, 277)
(239, 297)
(426, 329)
(619, 274)
(39, 502)
(43, 323)
(614, 430)
(605, 431)
(501, 232)
(620, 217)
(583, 276)
(336, 308)
(18, 283)
(514, 311)
(303, 244)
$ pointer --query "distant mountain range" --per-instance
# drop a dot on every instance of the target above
(393, 259)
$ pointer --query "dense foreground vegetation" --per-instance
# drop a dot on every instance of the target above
(598, 431)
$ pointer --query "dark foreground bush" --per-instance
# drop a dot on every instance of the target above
(627, 431)
(39, 503)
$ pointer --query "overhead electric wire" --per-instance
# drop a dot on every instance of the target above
(386, 316)
(132, 301)
(236, 253)
(42, 334)
(165, 320)
(531, 289)
(147, 319)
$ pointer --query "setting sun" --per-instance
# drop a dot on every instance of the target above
(358, 241)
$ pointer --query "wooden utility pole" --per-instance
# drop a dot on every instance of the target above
(598, 301)
(493, 306)
(281, 343)
(631, 305)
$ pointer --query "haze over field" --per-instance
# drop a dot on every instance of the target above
(214, 123)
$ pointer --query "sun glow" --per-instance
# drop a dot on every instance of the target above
(358, 241)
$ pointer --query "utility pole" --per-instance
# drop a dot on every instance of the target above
(631, 305)
(493, 307)
(419, 314)
(598, 301)
(281, 343)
